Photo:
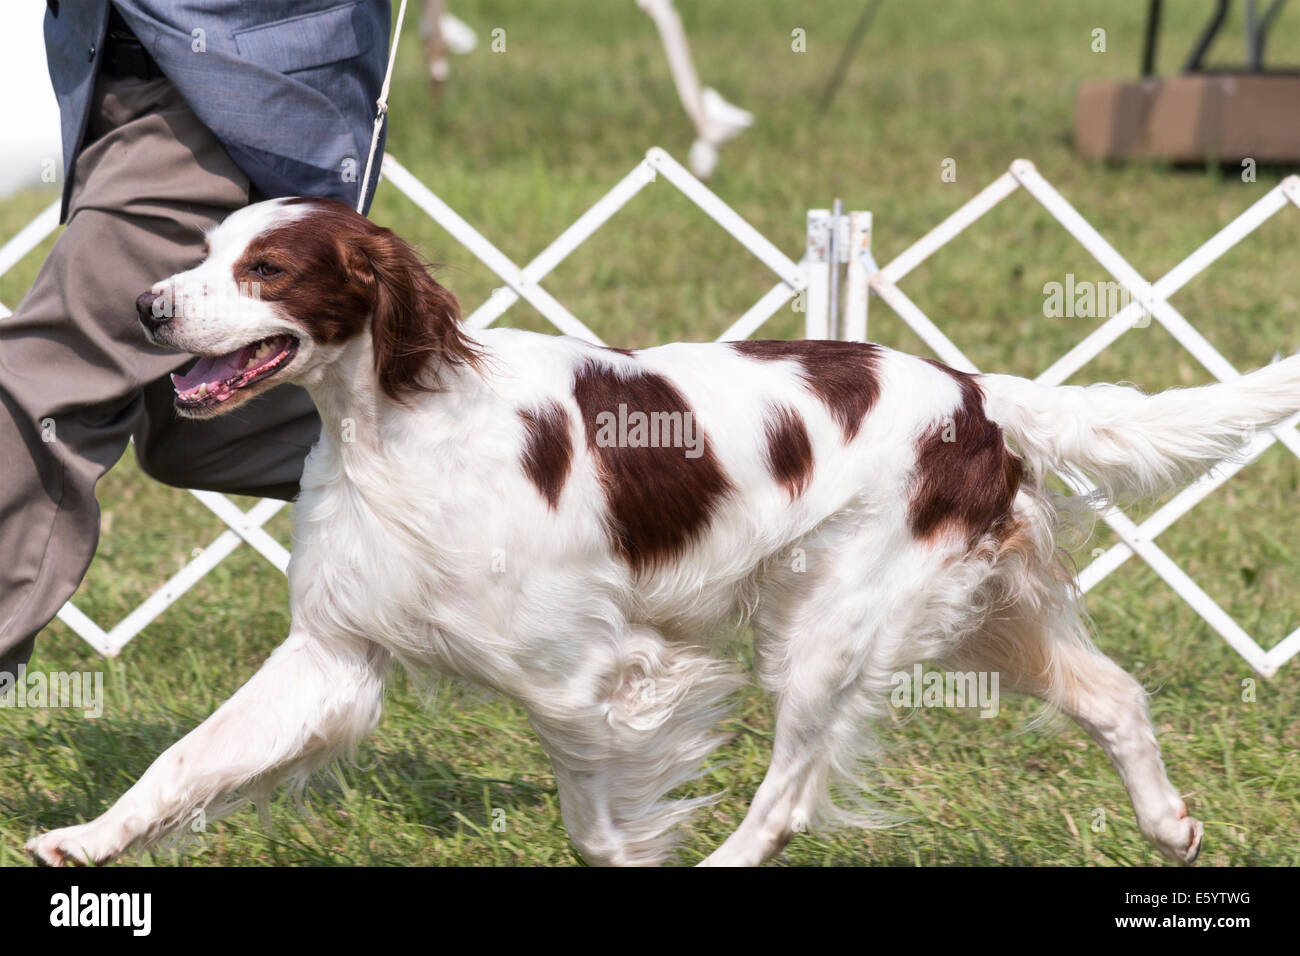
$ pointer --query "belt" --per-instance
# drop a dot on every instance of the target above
(124, 55)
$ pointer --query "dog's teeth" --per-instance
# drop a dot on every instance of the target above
(263, 349)
(203, 390)
(251, 362)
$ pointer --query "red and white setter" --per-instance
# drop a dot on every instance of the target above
(571, 525)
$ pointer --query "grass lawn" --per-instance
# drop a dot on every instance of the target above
(523, 141)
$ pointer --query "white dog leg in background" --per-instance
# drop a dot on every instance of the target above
(458, 34)
(443, 34)
(309, 702)
(716, 121)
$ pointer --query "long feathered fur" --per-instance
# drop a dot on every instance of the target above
(465, 513)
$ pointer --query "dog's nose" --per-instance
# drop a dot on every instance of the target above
(145, 310)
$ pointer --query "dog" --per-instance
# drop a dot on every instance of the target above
(569, 524)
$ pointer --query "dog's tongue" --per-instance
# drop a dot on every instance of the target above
(214, 369)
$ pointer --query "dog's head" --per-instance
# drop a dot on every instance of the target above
(283, 289)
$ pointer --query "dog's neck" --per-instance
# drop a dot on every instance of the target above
(358, 419)
(347, 397)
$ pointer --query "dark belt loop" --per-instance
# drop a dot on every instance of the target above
(124, 54)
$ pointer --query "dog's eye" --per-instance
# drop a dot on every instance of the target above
(266, 270)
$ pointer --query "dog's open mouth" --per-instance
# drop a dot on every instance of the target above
(216, 378)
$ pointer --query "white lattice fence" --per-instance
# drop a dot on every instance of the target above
(832, 239)
(1147, 299)
(520, 283)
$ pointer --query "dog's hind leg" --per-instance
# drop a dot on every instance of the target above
(634, 724)
(308, 702)
(831, 639)
(1058, 664)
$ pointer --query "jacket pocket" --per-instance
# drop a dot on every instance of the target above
(302, 42)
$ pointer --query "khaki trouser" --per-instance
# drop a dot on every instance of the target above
(78, 378)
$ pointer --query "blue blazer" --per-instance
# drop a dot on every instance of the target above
(287, 86)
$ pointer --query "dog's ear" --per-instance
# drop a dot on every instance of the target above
(415, 322)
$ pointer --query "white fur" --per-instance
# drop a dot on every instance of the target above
(419, 538)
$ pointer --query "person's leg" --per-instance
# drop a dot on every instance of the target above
(258, 449)
(74, 365)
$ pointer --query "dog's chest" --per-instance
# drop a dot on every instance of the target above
(384, 558)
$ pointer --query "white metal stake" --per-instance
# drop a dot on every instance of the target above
(861, 265)
(817, 301)
(836, 247)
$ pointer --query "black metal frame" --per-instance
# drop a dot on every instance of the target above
(1257, 28)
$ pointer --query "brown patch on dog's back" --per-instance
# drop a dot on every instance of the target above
(548, 450)
(659, 499)
(789, 450)
(966, 479)
(841, 374)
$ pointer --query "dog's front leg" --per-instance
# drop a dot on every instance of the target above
(309, 701)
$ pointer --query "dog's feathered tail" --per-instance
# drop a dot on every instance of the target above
(1132, 445)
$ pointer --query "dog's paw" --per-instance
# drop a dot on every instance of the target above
(1193, 848)
(1181, 839)
(70, 846)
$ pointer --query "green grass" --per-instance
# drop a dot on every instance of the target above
(520, 145)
